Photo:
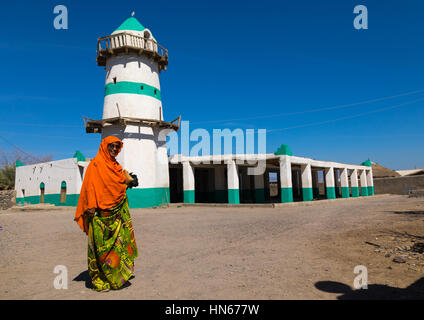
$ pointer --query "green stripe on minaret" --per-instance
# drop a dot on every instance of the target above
(148, 197)
(132, 88)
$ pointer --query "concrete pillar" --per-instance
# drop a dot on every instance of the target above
(344, 182)
(315, 186)
(364, 186)
(307, 192)
(259, 188)
(354, 183)
(220, 184)
(188, 182)
(233, 182)
(370, 182)
(286, 179)
(329, 183)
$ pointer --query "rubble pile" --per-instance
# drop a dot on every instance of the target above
(401, 248)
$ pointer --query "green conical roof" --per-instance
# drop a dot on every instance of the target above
(284, 149)
(19, 163)
(79, 156)
(131, 24)
(366, 163)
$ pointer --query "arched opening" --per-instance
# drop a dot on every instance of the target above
(42, 192)
(148, 41)
(63, 192)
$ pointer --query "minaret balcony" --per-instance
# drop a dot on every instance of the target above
(129, 43)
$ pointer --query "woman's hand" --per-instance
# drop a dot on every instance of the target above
(128, 178)
(134, 182)
(131, 179)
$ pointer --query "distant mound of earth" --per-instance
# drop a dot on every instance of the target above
(379, 171)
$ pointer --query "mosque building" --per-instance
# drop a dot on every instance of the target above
(133, 112)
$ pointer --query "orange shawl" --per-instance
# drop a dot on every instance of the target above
(104, 182)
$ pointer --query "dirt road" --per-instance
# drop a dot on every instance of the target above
(293, 252)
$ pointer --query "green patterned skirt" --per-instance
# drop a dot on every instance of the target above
(111, 248)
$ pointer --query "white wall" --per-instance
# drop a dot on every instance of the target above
(52, 174)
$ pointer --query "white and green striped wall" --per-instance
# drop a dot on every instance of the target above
(56, 182)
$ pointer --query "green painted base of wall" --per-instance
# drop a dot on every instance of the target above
(307, 194)
(370, 191)
(221, 196)
(355, 192)
(137, 198)
(71, 200)
(331, 192)
(189, 196)
(286, 195)
(345, 192)
(364, 191)
(260, 195)
(233, 196)
(148, 197)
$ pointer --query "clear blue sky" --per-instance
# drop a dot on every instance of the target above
(228, 60)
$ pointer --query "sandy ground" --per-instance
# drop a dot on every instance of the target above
(290, 252)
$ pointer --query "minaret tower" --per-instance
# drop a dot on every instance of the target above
(133, 111)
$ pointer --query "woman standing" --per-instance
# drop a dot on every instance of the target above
(103, 214)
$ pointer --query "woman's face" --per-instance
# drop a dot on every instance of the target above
(113, 148)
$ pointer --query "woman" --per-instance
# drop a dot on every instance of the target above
(103, 214)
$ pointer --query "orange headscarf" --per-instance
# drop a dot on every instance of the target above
(104, 182)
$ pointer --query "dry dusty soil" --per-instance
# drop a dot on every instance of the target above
(301, 251)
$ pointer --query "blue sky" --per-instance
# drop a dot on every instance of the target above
(233, 64)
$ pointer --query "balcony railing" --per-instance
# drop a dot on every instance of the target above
(126, 42)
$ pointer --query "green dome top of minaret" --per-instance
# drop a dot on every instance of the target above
(131, 24)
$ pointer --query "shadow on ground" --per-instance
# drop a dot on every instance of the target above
(412, 212)
(374, 292)
(85, 276)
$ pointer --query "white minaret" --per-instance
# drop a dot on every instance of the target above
(133, 108)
